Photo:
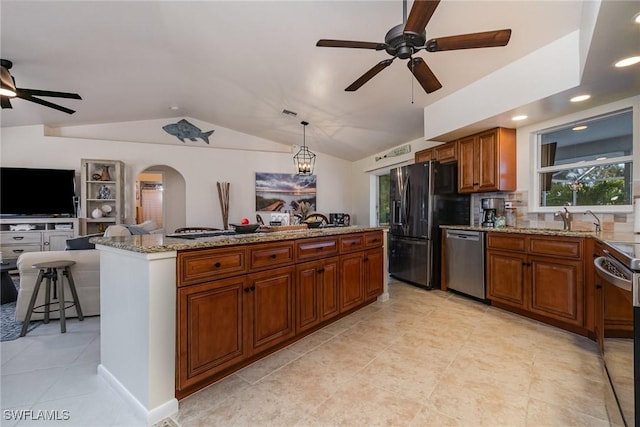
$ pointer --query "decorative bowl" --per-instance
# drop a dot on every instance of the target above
(245, 228)
(313, 224)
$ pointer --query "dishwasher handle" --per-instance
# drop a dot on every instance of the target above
(473, 236)
(612, 272)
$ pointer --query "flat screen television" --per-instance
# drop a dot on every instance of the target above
(37, 192)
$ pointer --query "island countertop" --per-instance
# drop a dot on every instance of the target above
(151, 243)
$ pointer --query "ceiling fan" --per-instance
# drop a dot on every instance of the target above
(9, 90)
(406, 39)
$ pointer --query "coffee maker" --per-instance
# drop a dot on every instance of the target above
(491, 209)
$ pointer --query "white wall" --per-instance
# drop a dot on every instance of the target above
(201, 166)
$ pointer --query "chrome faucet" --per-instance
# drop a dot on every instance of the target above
(566, 218)
(597, 224)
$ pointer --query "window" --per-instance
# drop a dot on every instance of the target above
(383, 199)
(587, 163)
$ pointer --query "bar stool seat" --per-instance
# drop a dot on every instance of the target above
(49, 271)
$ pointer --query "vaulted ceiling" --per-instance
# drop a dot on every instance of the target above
(239, 64)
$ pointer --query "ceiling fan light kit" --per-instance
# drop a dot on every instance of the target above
(405, 40)
(9, 90)
(304, 160)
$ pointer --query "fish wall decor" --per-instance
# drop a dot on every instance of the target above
(185, 130)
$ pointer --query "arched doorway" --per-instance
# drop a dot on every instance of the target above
(161, 196)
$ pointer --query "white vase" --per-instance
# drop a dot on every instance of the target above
(96, 213)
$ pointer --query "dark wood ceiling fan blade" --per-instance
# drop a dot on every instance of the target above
(421, 13)
(369, 75)
(47, 104)
(351, 44)
(424, 75)
(470, 41)
(5, 102)
(37, 92)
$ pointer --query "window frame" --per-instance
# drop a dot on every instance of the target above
(535, 170)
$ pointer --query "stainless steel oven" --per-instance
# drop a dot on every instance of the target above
(619, 271)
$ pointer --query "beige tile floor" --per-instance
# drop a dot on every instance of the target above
(419, 359)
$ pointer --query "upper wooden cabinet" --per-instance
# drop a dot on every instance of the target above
(445, 153)
(487, 161)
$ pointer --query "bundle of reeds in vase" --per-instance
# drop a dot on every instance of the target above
(223, 196)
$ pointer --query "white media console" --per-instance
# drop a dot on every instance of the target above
(27, 234)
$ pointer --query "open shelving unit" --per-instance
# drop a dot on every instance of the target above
(102, 195)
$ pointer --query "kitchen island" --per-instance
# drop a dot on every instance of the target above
(179, 313)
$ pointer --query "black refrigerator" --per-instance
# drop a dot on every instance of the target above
(423, 196)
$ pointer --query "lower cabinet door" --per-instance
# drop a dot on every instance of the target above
(328, 289)
(351, 280)
(307, 294)
(271, 295)
(373, 268)
(211, 329)
(557, 289)
(505, 278)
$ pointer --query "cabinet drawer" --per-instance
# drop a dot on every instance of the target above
(203, 265)
(373, 239)
(352, 242)
(14, 251)
(270, 255)
(20, 237)
(506, 242)
(316, 248)
(561, 247)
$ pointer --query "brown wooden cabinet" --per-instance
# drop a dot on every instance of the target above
(351, 281)
(271, 306)
(539, 276)
(445, 153)
(487, 161)
(373, 273)
(212, 329)
(239, 303)
(317, 293)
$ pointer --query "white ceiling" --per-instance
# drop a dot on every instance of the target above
(238, 64)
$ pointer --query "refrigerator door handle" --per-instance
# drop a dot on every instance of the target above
(405, 206)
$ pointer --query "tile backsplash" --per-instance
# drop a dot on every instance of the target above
(618, 222)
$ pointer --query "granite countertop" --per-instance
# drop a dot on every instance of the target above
(150, 243)
(605, 236)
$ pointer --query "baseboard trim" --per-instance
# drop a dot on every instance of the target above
(152, 416)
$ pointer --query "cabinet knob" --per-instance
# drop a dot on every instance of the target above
(46, 243)
(598, 286)
(247, 290)
(18, 237)
(321, 270)
(273, 256)
(217, 265)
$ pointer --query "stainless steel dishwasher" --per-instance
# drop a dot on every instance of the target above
(465, 262)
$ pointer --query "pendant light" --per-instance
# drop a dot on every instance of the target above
(304, 160)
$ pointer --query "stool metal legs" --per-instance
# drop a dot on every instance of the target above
(51, 274)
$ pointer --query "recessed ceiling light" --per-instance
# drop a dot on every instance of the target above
(580, 98)
(174, 108)
(518, 118)
(581, 127)
(626, 62)
(636, 18)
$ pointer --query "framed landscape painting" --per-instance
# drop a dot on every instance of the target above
(276, 192)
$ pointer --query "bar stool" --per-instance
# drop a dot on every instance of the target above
(49, 271)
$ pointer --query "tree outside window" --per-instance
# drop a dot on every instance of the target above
(587, 163)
